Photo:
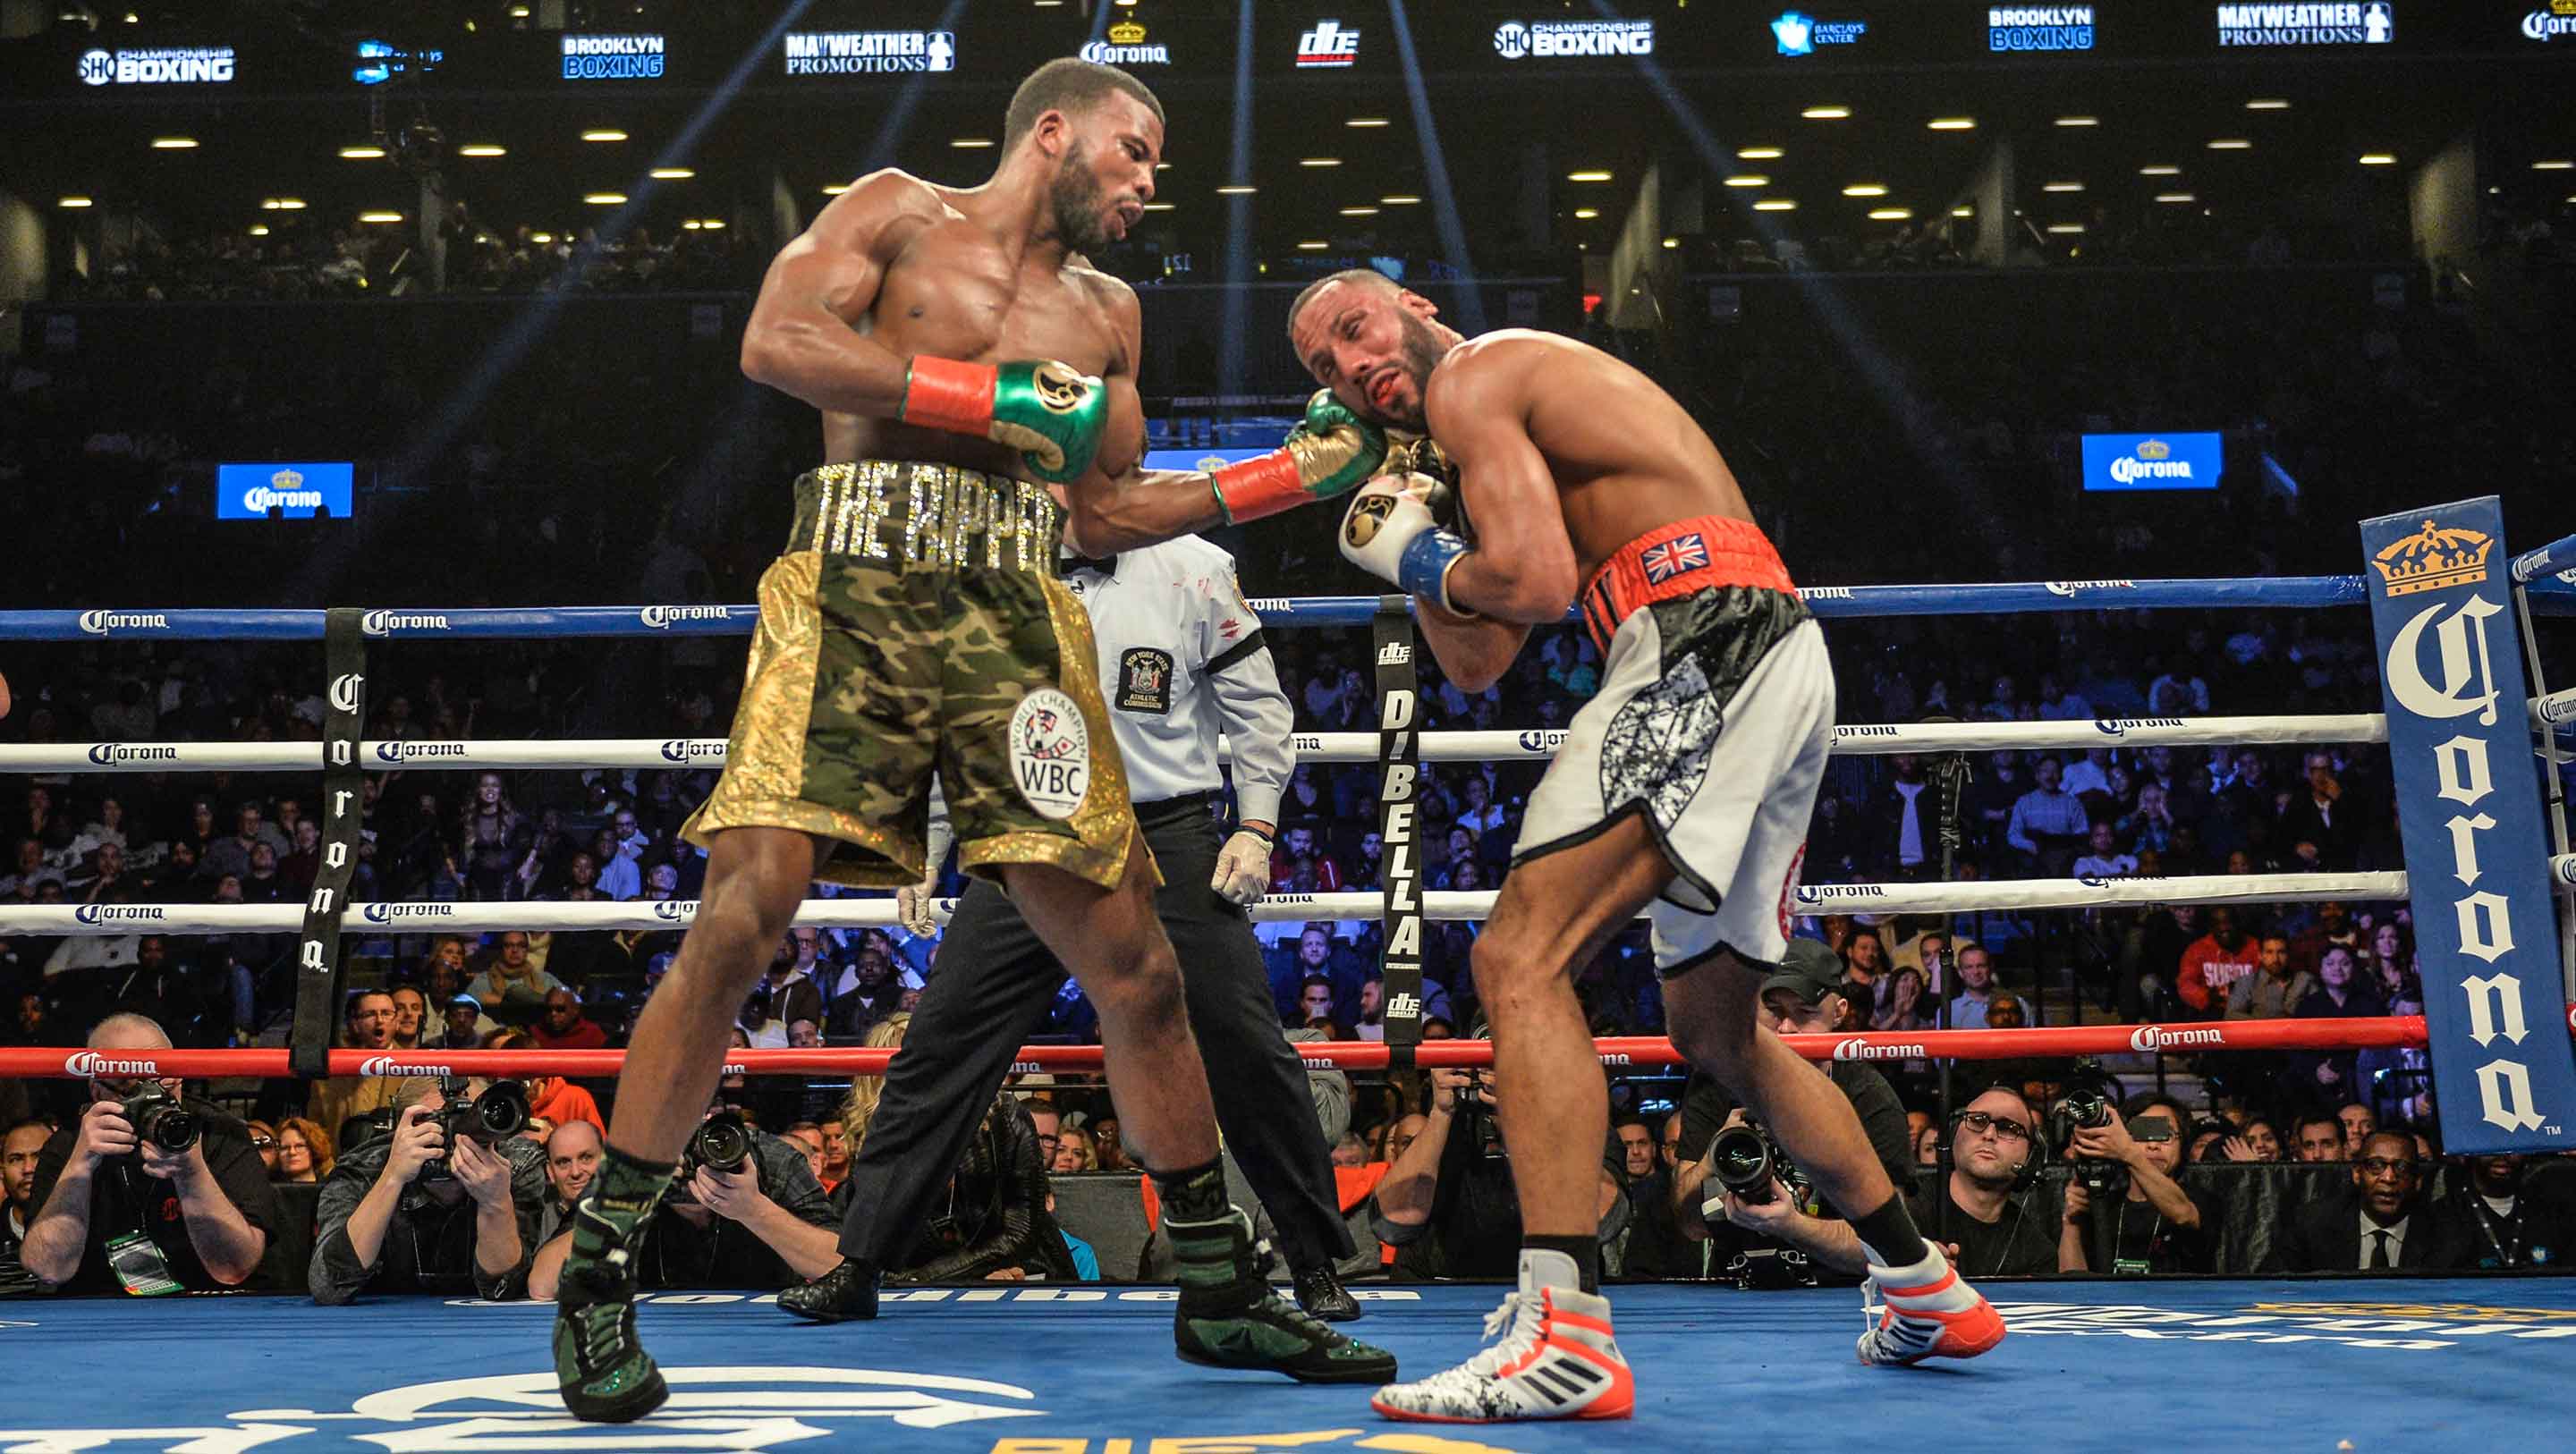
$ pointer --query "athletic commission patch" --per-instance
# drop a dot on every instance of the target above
(1144, 680)
(1050, 753)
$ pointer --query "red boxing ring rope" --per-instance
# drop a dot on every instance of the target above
(1640, 1051)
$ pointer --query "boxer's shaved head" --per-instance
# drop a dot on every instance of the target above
(1071, 86)
(1372, 341)
(1350, 277)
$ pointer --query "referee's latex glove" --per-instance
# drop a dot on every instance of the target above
(912, 905)
(1243, 867)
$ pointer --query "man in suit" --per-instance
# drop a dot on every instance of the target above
(2383, 1224)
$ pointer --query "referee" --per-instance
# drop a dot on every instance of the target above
(1181, 659)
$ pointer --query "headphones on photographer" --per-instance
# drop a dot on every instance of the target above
(2033, 1162)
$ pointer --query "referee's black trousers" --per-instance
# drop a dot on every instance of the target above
(992, 988)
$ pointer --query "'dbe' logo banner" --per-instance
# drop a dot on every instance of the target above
(2459, 743)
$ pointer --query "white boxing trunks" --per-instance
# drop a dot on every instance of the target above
(1713, 723)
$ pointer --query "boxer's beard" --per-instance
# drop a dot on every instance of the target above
(1079, 201)
(1422, 353)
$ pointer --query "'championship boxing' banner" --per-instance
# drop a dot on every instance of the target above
(1399, 821)
(2459, 741)
(344, 800)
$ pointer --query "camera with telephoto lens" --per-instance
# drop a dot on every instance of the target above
(157, 1117)
(723, 1141)
(1745, 1160)
(2089, 1105)
(498, 1114)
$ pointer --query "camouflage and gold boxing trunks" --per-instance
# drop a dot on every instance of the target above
(915, 625)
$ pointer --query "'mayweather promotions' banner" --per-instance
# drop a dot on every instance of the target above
(2459, 744)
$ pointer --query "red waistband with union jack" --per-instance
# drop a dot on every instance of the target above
(1677, 560)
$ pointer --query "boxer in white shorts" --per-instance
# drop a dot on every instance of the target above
(1683, 790)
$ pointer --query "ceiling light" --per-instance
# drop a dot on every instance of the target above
(174, 143)
(2079, 121)
(1672, 242)
(281, 204)
(2548, 166)
(1591, 176)
(259, 229)
(74, 202)
(1238, 189)
(2063, 187)
(1311, 246)
(970, 143)
(2176, 197)
(1400, 199)
(1748, 179)
(2378, 159)
(603, 133)
(603, 199)
(2160, 169)
(1776, 204)
(2231, 143)
(1952, 123)
(2066, 229)
(1827, 113)
(2267, 103)
(1366, 121)
(1759, 154)
(541, 238)
(692, 225)
(1581, 214)
(1865, 189)
(380, 217)
(1158, 206)
(1359, 212)
(1963, 211)
(670, 174)
(836, 189)
(518, 12)
(1890, 214)
(482, 149)
(711, 224)
(1319, 161)
(361, 153)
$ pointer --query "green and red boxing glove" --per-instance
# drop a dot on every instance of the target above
(1052, 415)
(1328, 454)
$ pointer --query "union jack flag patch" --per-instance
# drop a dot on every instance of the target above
(1674, 556)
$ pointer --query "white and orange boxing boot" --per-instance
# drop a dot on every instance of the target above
(1929, 1312)
(1556, 1359)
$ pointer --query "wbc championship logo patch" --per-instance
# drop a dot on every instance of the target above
(1050, 753)
(1144, 680)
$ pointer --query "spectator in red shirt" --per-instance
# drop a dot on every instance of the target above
(2215, 962)
(2334, 926)
(563, 1026)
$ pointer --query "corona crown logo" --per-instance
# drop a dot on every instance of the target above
(287, 480)
(2434, 559)
(2154, 449)
(1127, 32)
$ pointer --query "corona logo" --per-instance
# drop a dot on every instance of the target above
(108, 753)
(2123, 726)
(1825, 593)
(1547, 741)
(100, 623)
(384, 623)
(660, 617)
(388, 913)
(1874, 730)
(1127, 32)
(1863, 1050)
(89, 1063)
(1613, 1058)
(117, 914)
(678, 910)
(2154, 449)
(346, 689)
(2157, 1037)
(1828, 893)
(689, 749)
(2076, 588)
(389, 1065)
(2433, 559)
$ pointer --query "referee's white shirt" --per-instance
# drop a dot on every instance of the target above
(1182, 660)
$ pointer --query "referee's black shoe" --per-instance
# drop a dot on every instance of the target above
(1322, 1295)
(847, 1293)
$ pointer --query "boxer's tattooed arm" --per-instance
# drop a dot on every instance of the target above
(1523, 567)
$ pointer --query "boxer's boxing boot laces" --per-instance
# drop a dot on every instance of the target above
(1929, 1312)
(1557, 1359)
(1229, 1316)
(600, 1364)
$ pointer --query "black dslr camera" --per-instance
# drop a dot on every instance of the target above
(1745, 1159)
(498, 1114)
(2089, 1104)
(157, 1117)
(723, 1141)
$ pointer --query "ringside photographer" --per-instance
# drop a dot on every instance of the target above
(744, 1211)
(147, 1193)
(2125, 1211)
(446, 1198)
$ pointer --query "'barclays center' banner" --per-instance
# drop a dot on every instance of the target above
(2459, 746)
(2152, 461)
(295, 491)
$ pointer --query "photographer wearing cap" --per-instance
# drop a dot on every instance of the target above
(1804, 997)
(446, 1199)
(144, 1192)
(744, 1211)
(2145, 1222)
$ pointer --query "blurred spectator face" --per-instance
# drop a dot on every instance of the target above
(874, 969)
(1993, 1139)
(1462, 845)
(1671, 1143)
(308, 837)
(31, 1016)
(462, 1016)
(247, 821)
(1976, 970)
(910, 999)
(151, 953)
(809, 945)
(836, 1149)
(2321, 778)
(2103, 841)
(2151, 799)
(1791, 1015)
(1316, 1000)
(625, 824)
(1865, 953)
(1314, 947)
(572, 1158)
(264, 1141)
(263, 860)
(812, 1145)
(487, 790)
(2321, 1140)
(2240, 861)
(18, 1168)
(1927, 1147)
(514, 954)
(1349, 1151)
(1048, 1123)
(1300, 842)
(801, 1035)
(2389, 943)
(2358, 1123)
(2262, 1140)
(562, 1012)
(2123, 784)
(2334, 917)
(411, 1007)
(1639, 1145)
(1467, 876)
(2003, 1012)
(1372, 847)
(371, 1021)
(584, 871)
(1301, 879)
(2274, 957)
(2046, 774)
(449, 953)
(1402, 1135)
(2385, 1172)
(202, 819)
(294, 1155)
(1372, 997)
(2335, 967)
(662, 882)
(603, 845)
(2165, 1155)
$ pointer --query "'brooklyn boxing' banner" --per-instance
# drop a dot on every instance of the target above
(1399, 818)
(2460, 751)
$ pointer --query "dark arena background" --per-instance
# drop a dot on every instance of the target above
(2162, 404)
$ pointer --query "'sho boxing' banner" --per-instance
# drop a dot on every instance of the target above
(2459, 742)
